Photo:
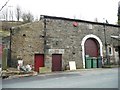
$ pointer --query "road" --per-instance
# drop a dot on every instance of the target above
(92, 78)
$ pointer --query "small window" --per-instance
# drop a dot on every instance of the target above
(57, 42)
(24, 35)
(110, 51)
(73, 53)
(116, 49)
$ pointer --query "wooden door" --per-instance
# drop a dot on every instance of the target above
(56, 62)
(91, 47)
(39, 61)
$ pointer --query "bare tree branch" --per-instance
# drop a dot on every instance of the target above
(18, 13)
(27, 17)
(4, 5)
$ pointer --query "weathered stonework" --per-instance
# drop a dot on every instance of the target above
(27, 41)
(61, 36)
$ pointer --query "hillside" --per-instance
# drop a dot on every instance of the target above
(5, 27)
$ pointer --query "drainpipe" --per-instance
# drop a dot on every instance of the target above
(12, 28)
(44, 36)
(10, 47)
(106, 57)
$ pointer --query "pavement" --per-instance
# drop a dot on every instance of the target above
(33, 73)
(14, 73)
(23, 75)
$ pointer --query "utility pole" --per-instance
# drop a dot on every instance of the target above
(10, 62)
(10, 47)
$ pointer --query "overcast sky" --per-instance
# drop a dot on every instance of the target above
(79, 9)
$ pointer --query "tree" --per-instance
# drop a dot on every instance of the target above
(119, 13)
(4, 15)
(27, 17)
(7, 14)
(18, 13)
(11, 15)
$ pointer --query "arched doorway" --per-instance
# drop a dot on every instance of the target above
(97, 43)
(92, 47)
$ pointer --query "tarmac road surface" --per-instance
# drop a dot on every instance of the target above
(90, 78)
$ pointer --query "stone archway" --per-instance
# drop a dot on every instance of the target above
(83, 46)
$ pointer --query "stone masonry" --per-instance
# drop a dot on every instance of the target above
(60, 36)
(27, 40)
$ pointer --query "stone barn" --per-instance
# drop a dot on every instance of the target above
(54, 41)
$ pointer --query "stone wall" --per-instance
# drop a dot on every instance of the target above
(27, 41)
(61, 36)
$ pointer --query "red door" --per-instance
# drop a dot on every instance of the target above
(1, 47)
(91, 47)
(56, 62)
(39, 61)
